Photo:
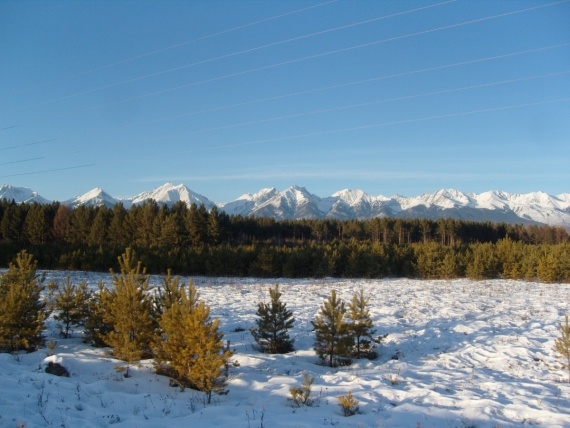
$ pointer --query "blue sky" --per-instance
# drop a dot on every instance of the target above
(228, 97)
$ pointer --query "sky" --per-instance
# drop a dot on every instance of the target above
(228, 97)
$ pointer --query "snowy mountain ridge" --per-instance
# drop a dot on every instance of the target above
(297, 202)
(21, 195)
(95, 197)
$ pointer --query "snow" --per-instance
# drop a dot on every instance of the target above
(351, 196)
(21, 194)
(297, 202)
(470, 354)
(169, 194)
(94, 197)
(247, 202)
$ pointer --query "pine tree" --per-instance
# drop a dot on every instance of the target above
(197, 224)
(95, 325)
(71, 303)
(173, 292)
(332, 336)
(22, 313)
(80, 224)
(61, 222)
(211, 357)
(36, 227)
(562, 344)
(191, 346)
(360, 324)
(129, 310)
(483, 263)
(118, 230)
(12, 223)
(98, 233)
(548, 267)
(273, 325)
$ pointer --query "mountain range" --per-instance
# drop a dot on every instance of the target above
(297, 203)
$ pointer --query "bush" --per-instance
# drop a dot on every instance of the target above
(301, 396)
(348, 404)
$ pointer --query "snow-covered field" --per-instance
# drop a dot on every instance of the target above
(470, 354)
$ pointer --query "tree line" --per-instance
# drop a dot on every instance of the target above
(194, 241)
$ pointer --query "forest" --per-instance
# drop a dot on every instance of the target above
(194, 241)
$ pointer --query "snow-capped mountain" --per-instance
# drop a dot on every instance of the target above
(21, 194)
(349, 204)
(292, 203)
(247, 202)
(298, 203)
(495, 206)
(95, 197)
(169, 194)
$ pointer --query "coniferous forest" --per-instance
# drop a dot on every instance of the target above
(194, 241)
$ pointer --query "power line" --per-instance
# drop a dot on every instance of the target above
(47, 170)
(233, 54)
(364, 81)
(382, 101)
(322, 54)
(378, 125)
(372, 126)
(350, 106)
(27, 144)
(187, 42)
(22, 160)
(369, 103)
(348, 84)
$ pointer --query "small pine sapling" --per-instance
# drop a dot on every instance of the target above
(562, 344)
(96, 327)
(360, 325)
(332, 335)
(273, 324)
(71, 303)
(348, 404)
(22, 311)
(190, 348)
(301, 395)
(129, 311)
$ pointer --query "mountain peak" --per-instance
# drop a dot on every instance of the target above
(21, 194)
(350, 196)
(169, 194)
(94, 197)
(297, 202)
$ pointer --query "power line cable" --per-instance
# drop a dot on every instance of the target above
(369, 103)
(22, 160)
(187, 42)
(360, 82)
(27, 144)
(233, 54)
(342, 85)
(320, 55)
(357, 105)
(378, 125)
(48, 170)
